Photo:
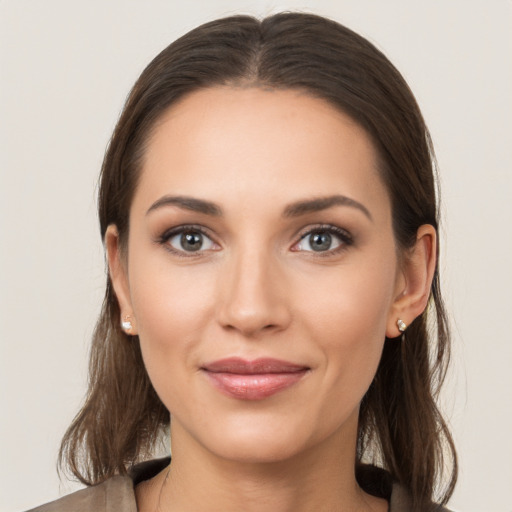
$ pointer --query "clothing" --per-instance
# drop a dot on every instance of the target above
(117, 493)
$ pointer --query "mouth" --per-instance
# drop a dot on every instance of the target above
(253, 380)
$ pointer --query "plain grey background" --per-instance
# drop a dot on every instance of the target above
(65, 70)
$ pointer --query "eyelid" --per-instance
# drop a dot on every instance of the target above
(346, 239)
(167, 235)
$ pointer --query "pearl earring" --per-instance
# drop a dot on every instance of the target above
(126, 324)
(401, 325)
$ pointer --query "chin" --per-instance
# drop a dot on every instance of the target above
(258, 451)
(254, 440)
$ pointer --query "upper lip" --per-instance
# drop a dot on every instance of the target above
(257, 366)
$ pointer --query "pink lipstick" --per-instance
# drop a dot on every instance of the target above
(253, 380)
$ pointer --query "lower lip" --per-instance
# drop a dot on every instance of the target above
(253, 386)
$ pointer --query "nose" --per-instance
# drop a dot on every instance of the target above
(252, 294)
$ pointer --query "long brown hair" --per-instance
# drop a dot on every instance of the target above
(400, 427)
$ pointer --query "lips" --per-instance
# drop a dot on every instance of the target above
(253, 380)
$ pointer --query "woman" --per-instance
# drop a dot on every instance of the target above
(267, 204)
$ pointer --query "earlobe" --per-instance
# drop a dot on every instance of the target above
(414, 289)
(127, 324)
(119, 277)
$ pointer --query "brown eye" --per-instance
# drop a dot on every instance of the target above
(190, 241)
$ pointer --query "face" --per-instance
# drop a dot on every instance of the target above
(261, 272)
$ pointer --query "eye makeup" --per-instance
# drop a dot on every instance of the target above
(194, 240)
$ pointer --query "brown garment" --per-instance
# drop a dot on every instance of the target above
(117, 493)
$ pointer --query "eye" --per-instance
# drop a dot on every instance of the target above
(188, 240)
(324, 239)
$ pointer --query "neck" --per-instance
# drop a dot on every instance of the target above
(320, 478)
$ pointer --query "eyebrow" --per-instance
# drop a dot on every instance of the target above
(187, 203)
(323, 203)
(292, 210)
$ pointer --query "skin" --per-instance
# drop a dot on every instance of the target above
(257, 289)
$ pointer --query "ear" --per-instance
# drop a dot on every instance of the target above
(414, 280)
(117, 266)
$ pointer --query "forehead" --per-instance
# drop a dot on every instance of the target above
(249, 144)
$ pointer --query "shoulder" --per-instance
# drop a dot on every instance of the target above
(400, 501)
(115, 494)
(378, 482)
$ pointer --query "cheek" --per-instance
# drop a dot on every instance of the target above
(172, 307)
(351, 299)
(169, 301)
(346, 312)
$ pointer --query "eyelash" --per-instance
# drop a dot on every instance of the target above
(345, 238)
(169, 234)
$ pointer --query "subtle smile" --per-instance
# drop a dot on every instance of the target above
(253, 380)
